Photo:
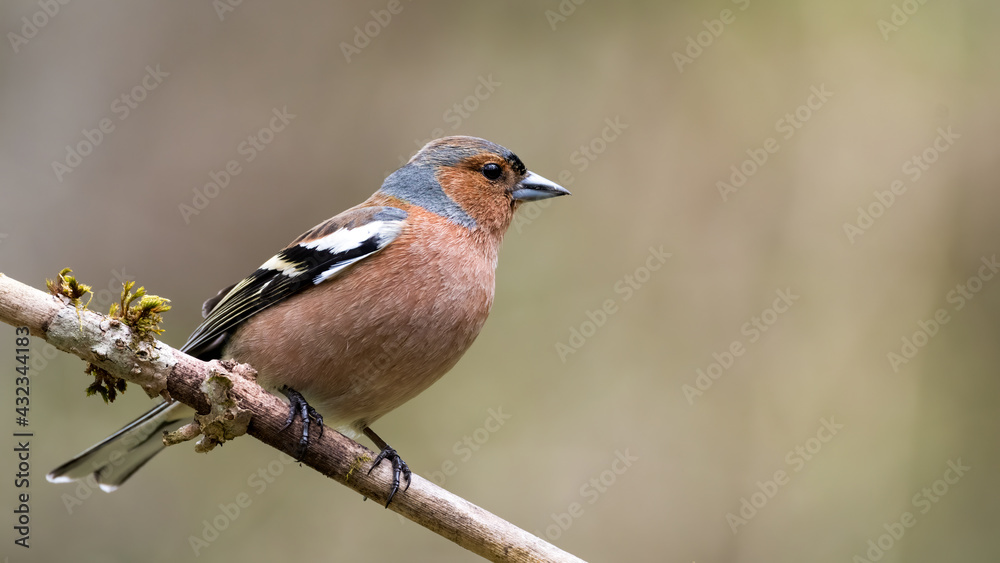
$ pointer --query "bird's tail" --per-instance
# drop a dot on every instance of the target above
(117, 457)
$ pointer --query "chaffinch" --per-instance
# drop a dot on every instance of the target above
(363, 311)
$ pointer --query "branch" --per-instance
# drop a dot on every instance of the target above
(162, 370)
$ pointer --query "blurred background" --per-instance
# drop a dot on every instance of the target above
(763, 328)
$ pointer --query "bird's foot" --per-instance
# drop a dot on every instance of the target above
(299, 406)
(399, 468)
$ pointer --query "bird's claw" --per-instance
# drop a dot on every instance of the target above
(299, 406)
(399, 468)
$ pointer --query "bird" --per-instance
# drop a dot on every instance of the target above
(360, 313)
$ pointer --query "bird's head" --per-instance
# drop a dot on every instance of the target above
(469, 181)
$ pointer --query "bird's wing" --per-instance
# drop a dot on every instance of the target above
(315, 257)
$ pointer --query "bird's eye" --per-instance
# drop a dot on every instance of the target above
(492, 171)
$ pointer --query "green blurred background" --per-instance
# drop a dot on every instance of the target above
(847, 103)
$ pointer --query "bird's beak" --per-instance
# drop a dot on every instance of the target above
(533, 188)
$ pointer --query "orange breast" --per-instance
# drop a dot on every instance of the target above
(365, 342)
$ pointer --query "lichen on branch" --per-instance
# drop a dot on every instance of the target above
(143, 317)
(67, 286)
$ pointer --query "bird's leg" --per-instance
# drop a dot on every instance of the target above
(399, 466)
(298, 405)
